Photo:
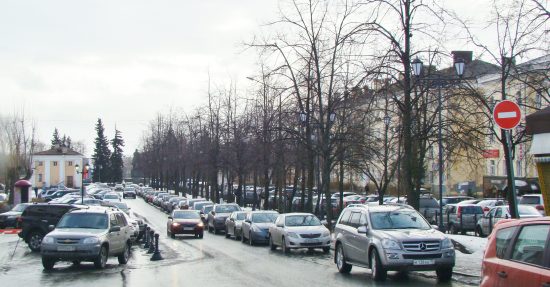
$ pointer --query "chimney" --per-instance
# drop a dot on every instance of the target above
(464, 55)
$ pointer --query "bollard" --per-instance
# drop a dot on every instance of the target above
(146, 245)
(151, 242)
(143, 237)
(156, 255)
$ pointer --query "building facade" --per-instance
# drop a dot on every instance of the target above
(57, 166)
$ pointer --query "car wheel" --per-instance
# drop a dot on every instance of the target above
(237, 237)
(227, 235)
(76, 262)
(444, 274)
(480, 231)
(341, 264)
(284, 247)
(250, 240)
(379, 273)
(101, 260)
(326, 249)
(123, 258)
(272, 245)
(243, 239)
(173, 235)
(201, 235)
(35, 240)
(216, 231)
(48, 263)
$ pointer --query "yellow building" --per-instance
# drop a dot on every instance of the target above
(57, 166)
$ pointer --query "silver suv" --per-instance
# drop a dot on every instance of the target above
(91, 234)
(391, 237)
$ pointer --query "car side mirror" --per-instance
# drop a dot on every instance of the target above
(114, 229)
(362, 229)
(231, 219)
(170, 217)
(51, 227)
(435, 227)
(247, 221)
(506, 216)
(213, 212)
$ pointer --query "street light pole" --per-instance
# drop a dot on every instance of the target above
(439, 82)
(84, 170)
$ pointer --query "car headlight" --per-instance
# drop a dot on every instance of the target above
(200, 224)
(48, 240)
(293, 235)
(175, 224)
(447, 243)
(390, 244)
(325, 233)
(90, 240)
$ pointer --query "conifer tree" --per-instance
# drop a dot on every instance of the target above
(102, 155)
(117, 163)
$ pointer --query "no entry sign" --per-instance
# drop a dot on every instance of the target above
(507, 114)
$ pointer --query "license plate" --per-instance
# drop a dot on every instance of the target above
(423, 262)
(66, 248)
(311, 241)
(189, 228)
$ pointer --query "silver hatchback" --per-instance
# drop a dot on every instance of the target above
(391, 237)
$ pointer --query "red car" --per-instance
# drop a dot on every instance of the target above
(185, 222)
(518, 254)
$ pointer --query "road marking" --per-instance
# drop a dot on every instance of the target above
(506, 115)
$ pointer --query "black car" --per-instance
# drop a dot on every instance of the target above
(36, 219)
(59, 194)
(9, 219)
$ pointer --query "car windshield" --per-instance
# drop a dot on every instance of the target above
(530, 200)
(129, 189)
(186, 215)
(226, 208)
(120, 205)
(83, 220)
(264, 217)
(207, 209)
(111, 196)
(302, 220)
(476, 209)
(19, 207)
(241, 216)
(398, 219)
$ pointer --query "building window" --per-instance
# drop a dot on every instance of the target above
(492, 167)
(55, 163)
(70, 163)
(39, 177)
(70, 181)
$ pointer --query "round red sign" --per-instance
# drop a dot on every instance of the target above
(507, 114)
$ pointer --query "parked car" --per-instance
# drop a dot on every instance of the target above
(255, 228)
(233, 224)
(205, 210)
(461, 218)
(36, 219)
(10, 218)
(113, 197)
(172, 203)
(298, 230)
(487, 222)
(218, 215)
(391, 237)
(198, 205)
(58, 194)
(123, 206)
(129, 192)
(487, 204)
(534, 200)
(454, 199)
(429, 207)
(118, 187)
(191, 202)
(184, 222)
(517, 254)
(91, 234)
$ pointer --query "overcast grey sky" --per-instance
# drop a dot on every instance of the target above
(68, 62)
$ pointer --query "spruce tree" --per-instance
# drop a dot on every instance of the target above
(56, 141)
(117, 163)
(101, 156)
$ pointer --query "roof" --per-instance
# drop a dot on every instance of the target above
(59, 151)
(537, 122)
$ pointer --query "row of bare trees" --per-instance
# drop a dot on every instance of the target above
(334, 95)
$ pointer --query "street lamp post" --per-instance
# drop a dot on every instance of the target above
(84, 170)
(439, 81)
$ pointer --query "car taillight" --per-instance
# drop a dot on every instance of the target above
(485, 209)
(459, 211)
(539, 207)
(20, 219)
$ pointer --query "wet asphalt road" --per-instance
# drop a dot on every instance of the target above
(212, 261)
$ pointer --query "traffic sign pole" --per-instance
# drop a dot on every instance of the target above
(507, 116)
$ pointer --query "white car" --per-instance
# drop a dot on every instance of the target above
(299, 230)
(111, 197)
(534, 200)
